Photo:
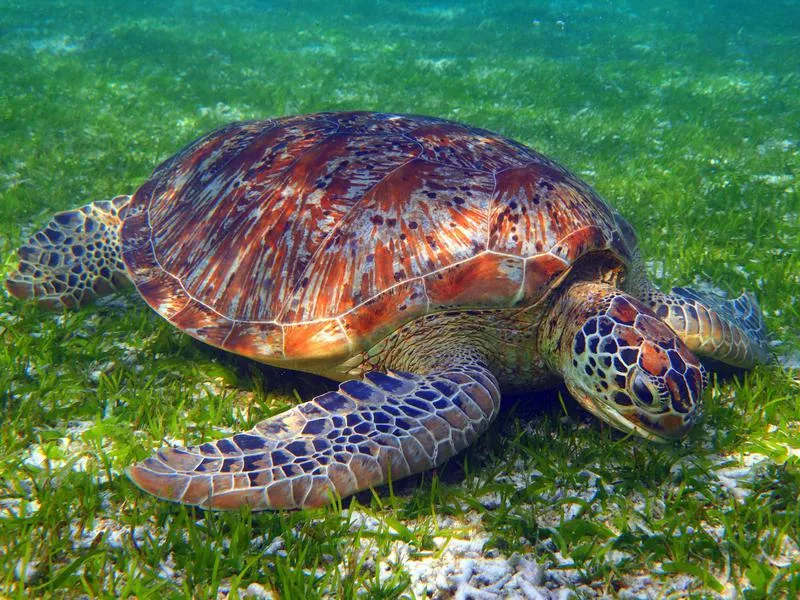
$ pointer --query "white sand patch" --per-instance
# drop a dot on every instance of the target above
(734, 474)
(791, 360)
(58, 45)
(782, 179)
(437, 65)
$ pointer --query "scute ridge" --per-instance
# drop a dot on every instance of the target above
(303, 226)
(322, 245)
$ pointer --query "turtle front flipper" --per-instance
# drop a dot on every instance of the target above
(384, 427)
(74, 259)
(730, 331)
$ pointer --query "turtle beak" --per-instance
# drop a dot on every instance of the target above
(626, 423)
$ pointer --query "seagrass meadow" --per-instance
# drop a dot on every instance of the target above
(683, 115)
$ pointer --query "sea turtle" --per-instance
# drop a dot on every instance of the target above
(428, 265)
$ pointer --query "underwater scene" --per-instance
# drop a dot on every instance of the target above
(479, 235)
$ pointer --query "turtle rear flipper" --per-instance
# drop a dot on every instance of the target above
(730, 331)
(74, 259)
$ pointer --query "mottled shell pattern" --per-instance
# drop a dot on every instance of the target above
(310, 238)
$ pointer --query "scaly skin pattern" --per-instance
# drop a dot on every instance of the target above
(384, 427)
(74, 259)
(619, 361)
(622, 363)
(731, 331)
(506, 339)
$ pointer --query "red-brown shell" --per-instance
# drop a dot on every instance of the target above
(311, 237)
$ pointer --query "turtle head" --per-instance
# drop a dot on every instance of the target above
(623, 364)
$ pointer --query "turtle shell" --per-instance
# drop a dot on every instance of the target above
(309, 238)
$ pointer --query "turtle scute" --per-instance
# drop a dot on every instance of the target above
(309, 238)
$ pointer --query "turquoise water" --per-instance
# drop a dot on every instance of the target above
(683, 115)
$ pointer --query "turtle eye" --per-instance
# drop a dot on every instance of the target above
(641, 389)
(645, 390)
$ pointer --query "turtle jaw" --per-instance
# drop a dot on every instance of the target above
(627, 423)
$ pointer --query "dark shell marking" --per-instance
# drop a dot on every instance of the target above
(310, 237)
